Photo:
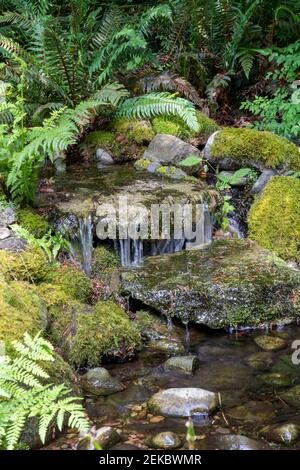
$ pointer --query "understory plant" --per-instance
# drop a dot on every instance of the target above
(25, 393)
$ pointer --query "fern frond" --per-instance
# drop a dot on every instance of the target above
(155, 104)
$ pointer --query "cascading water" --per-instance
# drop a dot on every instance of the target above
(82, 243)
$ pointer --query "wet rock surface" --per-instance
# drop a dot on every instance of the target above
(166, 440)
(270, 343)
(223, 285)
(287, 433)
(182, 364)
(183, 402)
(98, 381)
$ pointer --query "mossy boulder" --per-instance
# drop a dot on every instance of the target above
(72, 281)
(105, 261)
(134, 130)
(231, 149)
(227, 284)
(29, 265)
(87, 335)
(36, 225)
(21, 310)
(274, 218)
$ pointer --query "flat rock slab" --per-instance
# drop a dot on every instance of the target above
(183, 402)
(227, 284)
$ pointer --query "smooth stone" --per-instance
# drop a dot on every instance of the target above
(262, 181)
(253, 411)
(185, 364)
(270, 343)
(98, 381)
(104, 157)
(292, 396)
(167, 346)
(166, 440)
(153, 166)
(283, 434)
(105, 437)
(4, 233)
(7, 216)
(13, 244)
(242, 181)
(276, 379)
(183, 402)
(261, 360)
(230, 442)
(166, 148)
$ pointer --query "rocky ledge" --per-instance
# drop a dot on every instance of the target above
(231, 283)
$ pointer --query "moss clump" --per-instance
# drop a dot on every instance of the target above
(105, 264)
(136, 131)
(173, 125)
(86, 335)
(34, 223)
(21, 310)
(265, 148)
(100, 138)
(274, 218)
(142, 164)
(72, 281)
(30, 265)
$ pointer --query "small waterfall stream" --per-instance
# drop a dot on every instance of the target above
(82, 243)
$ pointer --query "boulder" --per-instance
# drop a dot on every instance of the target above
(166, 440)
(98, 381)
(165, 149)
(103, 157)
(260, 360)
(270, 343)
(7, 216)
(183, 402)
(226, 284)
(184, 364)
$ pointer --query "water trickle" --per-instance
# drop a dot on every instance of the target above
(82, 243)
(234, 227)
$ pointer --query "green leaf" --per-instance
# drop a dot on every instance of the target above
(191, 161)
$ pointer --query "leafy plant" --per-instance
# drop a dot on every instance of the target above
(225, 181)
(191, 160)
(225, 210)
(25, 394)
(279, 110)
(49, 243)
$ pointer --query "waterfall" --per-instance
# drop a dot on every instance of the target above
(82, 243)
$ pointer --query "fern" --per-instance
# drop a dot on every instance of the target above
(155, 104)
(25, 393)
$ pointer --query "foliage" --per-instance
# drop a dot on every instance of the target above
(227, 180)
(33, 222)
(191, 160)
(226, 208)
(258, 148)
(279, 110)
(49, 243)
(274, 218)
(26, 394)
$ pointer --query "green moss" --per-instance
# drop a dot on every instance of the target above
(72, 281)
(173, 125)
(274, 218)
(263, 147)
(86, 335)
(21, 310)
(137, 131)
(29, 265)
(100, 138)
(142, 164)
(166, 170)
(61, 372)
(105, 263)
(34, 223)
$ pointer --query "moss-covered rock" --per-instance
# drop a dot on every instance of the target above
(72, 281)
(33, 222)
(137, 131)
(274, 218)
(249, 147)
(29, 265)
(21, 310)
(228, 284)
(86, 335)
